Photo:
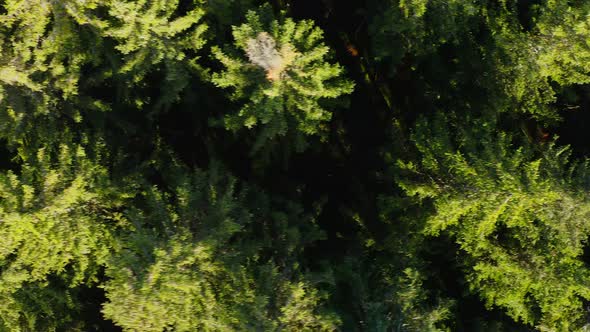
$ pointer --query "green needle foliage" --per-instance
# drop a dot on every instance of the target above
(204, 263)
(520, 217)
(196, 257)
(149, 32)
(60, 60)
(521, 64)
(278, 71)
(156, 35)
(148, 180)
(42, 53)
(57, 220)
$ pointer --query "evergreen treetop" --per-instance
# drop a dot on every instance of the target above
(278, 71)
(520, 216)
(116, 214)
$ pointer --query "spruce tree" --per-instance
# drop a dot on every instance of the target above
(516, 56)
(519, 216)
(207, 256)
(194, 252)
(116, 214)
(61, 61)
(43, 51)
(279, 73)
(156, 36)
(57, 222)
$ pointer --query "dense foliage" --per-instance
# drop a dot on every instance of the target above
(249, 165)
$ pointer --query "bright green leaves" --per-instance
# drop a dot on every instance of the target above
(184, 289)
(522, 219)
(157, 40)
(189, 284)
(42, 49)
(518, 214)
(196, 254)
(278, 71)
(129, 232)
(193, 252)
(562, 46)
(299, 310)
(533, 66)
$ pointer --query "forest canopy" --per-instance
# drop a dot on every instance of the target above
(289, 165)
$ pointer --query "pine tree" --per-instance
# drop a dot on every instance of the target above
(278, 71)
(520, 217)
(156, 35)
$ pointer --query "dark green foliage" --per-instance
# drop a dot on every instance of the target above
(148, 180)
(515, 63)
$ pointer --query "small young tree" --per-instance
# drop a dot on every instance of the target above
(278, 71)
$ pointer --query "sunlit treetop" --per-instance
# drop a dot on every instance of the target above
(279, 72)
(150, 32)
(520, 217)
(58, 59)
(42, 52)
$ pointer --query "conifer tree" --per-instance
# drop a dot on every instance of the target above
(563, 53)
(192, 253)
(534, 65)
(56, 222)
(278, 71)
(520, 217)
(521, 64)
(419, 27)
(156, 35)
(200, 258)
(42, 53)
(114, 210)
(62, 60)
